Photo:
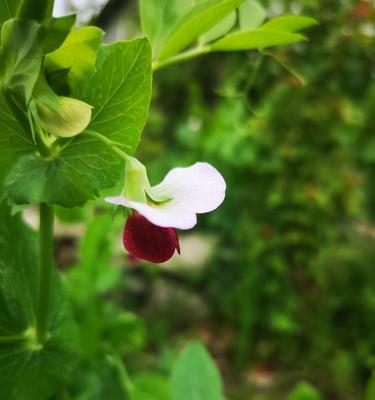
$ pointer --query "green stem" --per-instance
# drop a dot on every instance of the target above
(187, 55)
(45, 270)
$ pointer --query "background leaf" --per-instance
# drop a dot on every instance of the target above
(251, 15)
(220, 29)
(159, 16)
(195, 23)
(29, 371)
(195, 376)
(290, 23)
(255, 39)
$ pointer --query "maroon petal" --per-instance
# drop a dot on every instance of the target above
(150, 242)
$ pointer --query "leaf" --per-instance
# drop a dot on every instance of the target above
(289, 23)
(15, 140)
(304, 391)
(119, 89)
(28, 370)
(255, 39)
(77, 174)
(370, 388)
(195, 376)
(251, 15)
(77, 53)
(21, 58)
(220, 29)
(116, 385)
(37, 10)
(150, 386)
(8, 10)
(158, 18)
(58, 30)
(195, 23)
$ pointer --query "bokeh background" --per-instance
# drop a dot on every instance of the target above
(279, 283)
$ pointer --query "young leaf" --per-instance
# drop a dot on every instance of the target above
(77, 53)
(220, 29)
(251, 15)
(119, 89)
(195, 23)
(158, 18)
(291, 23)
(29, 370)
(195, 376)
(21, 58)
(69, 179)
(255, 39)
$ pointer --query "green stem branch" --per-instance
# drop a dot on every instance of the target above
(45, 270)
(187, 55)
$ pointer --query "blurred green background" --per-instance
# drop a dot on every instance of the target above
(279, 283)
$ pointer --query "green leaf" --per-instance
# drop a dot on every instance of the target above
(57, 31)
(195, 376)
(8, 10)
(15, 140)
(158, 18)
(220, 29)
(70, 178)
(251, 15)
(28, 370)
(150, 386)
(304, 391)
(36, 10)
(21, 58)
(77, 53)
(289, 23)
(195, 23)
(370, 389)
(119, 89)
(255, 39)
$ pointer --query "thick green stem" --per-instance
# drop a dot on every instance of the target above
(45, 270)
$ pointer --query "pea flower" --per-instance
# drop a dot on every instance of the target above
(150, 231)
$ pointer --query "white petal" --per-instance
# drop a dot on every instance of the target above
(197, 189)
(165, 215)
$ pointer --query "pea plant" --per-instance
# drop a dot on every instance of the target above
(72, 111)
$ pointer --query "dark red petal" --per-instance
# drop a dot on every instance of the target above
(146, 241)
